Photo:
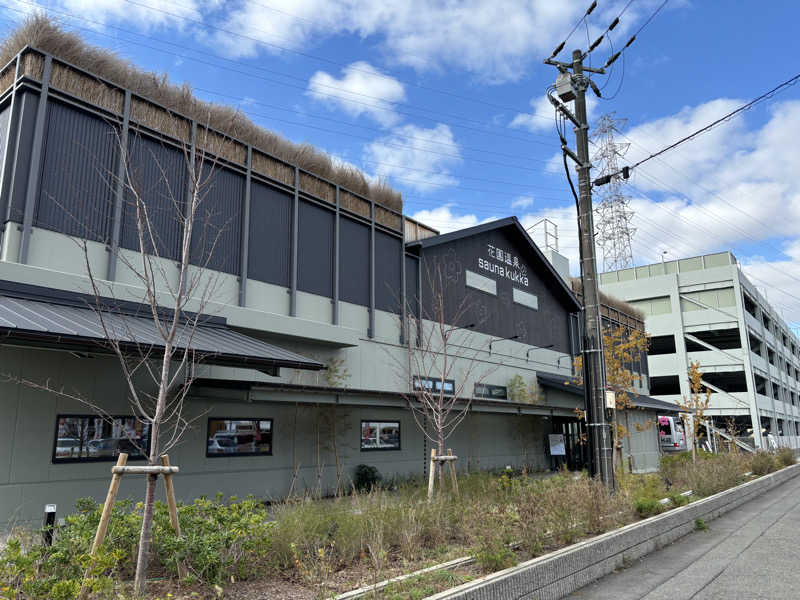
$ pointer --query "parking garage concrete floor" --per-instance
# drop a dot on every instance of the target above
(751, 553)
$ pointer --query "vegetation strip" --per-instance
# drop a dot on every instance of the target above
(548, 563)
(308, 547)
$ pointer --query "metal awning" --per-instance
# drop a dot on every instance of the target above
(73, 327)
(569, 384)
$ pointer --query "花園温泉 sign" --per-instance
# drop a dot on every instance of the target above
(503, 263)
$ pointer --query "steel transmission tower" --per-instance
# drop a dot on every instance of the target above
(614, 214)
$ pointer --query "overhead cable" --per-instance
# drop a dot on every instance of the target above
(627, 45)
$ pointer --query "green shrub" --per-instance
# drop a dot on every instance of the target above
(785, 457)
(647, 507)
(493, 555)
(678, 499)
(762, 463)
(366, 478)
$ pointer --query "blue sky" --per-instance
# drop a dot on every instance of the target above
(446, 100)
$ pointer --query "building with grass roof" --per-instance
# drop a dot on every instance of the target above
(317, 273)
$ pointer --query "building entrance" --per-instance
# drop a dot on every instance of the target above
(575, 442)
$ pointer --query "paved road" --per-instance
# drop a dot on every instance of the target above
(751, 553)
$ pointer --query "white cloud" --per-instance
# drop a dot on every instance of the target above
(144, 15)
(542, 117)
(493, 40)
(362, 90)
(415, 156)
(522, 202)
(733, 188)
(445, 220)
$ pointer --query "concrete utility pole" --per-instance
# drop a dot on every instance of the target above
(573, 87)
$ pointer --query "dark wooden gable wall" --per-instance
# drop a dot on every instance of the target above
(498, 315)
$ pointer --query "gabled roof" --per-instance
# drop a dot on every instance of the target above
(569, 384)
(513, 224)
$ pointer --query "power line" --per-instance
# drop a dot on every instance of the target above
(384, 105)
(285, 48)
(696, 183)
(695, 225)
(402, 80)
(627, 45)
(382, 131)
(777, 89)
(607, 30)
(560, 47)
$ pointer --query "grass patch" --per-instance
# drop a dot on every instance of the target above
(422, 586)
(700, 525)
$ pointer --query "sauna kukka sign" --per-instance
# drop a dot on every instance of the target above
(506, 265)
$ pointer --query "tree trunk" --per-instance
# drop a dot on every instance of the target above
(143, 558)
(440, 464)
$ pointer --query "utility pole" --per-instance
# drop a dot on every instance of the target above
(573, 86)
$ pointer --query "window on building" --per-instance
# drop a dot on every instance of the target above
(493, 392)
(727, 381)
(665, 385)
(85, 438)
(761, 384)
(661, 344)
(750, 306)
(724, 339)
(756, 345)
(479, 282)
(653, 306)
(525, 299)
(239, 437)
(380, 435)
(435, 385)
(771, 356)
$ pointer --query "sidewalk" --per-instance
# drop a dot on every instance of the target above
(751, 553)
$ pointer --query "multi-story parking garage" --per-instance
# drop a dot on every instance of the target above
(705, 309)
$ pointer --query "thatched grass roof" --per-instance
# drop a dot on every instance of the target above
(40, 32)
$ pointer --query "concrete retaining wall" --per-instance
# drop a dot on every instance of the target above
(555, 575)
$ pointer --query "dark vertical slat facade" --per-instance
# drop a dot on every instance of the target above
(22, 146)
(412, 284)
(315, 249)
(217, 230)
(158, 174)
(388, 291)
(354, 265)
(5, 117)
(270, 226)
(76, 193)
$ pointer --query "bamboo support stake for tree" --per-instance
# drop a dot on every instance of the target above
(173, 509)
(453, 477)
(105, 518)
(108, 506)
(431, 473)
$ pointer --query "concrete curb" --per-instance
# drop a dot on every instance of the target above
(559, 573)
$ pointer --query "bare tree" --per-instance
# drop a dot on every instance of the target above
(158, 367)
(441, 359)
(695, 406)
